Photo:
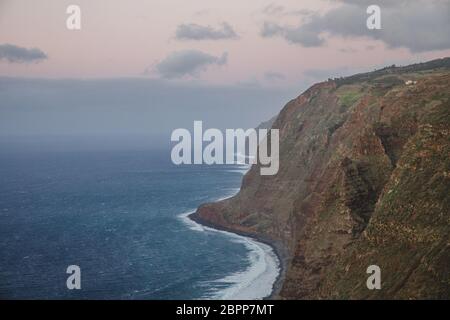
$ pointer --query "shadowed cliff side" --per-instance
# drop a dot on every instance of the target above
(364, 178)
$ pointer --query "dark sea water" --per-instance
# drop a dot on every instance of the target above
(116, 214)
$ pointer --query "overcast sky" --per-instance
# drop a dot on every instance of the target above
(279, 47)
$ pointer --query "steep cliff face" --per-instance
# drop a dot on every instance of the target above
(364, 179)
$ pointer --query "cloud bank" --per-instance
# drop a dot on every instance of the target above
(194, 31)
(188, 63)
(418, 25)
(304, 35)
(15, 54)
(123, 107)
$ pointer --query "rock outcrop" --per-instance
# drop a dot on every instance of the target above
(364, 179)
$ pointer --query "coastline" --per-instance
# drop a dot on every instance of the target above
(277, 248)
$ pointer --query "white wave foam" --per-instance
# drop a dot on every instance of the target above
(256, 282)
(191, 224)
(232, 193)
(243, 169)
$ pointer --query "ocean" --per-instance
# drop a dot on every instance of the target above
(121, 216)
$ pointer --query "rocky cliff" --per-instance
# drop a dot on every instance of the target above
(364, 179)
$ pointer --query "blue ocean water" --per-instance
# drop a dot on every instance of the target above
(116, 214)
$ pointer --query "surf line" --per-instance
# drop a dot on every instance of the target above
(259, 279)
(254, 283)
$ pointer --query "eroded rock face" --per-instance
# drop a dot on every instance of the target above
(364, 179)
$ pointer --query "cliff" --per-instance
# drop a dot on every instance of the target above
(364, 179)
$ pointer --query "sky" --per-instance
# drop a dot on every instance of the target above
(254, 49)
(131, 39)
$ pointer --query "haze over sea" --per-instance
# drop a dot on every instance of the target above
(121, 215)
